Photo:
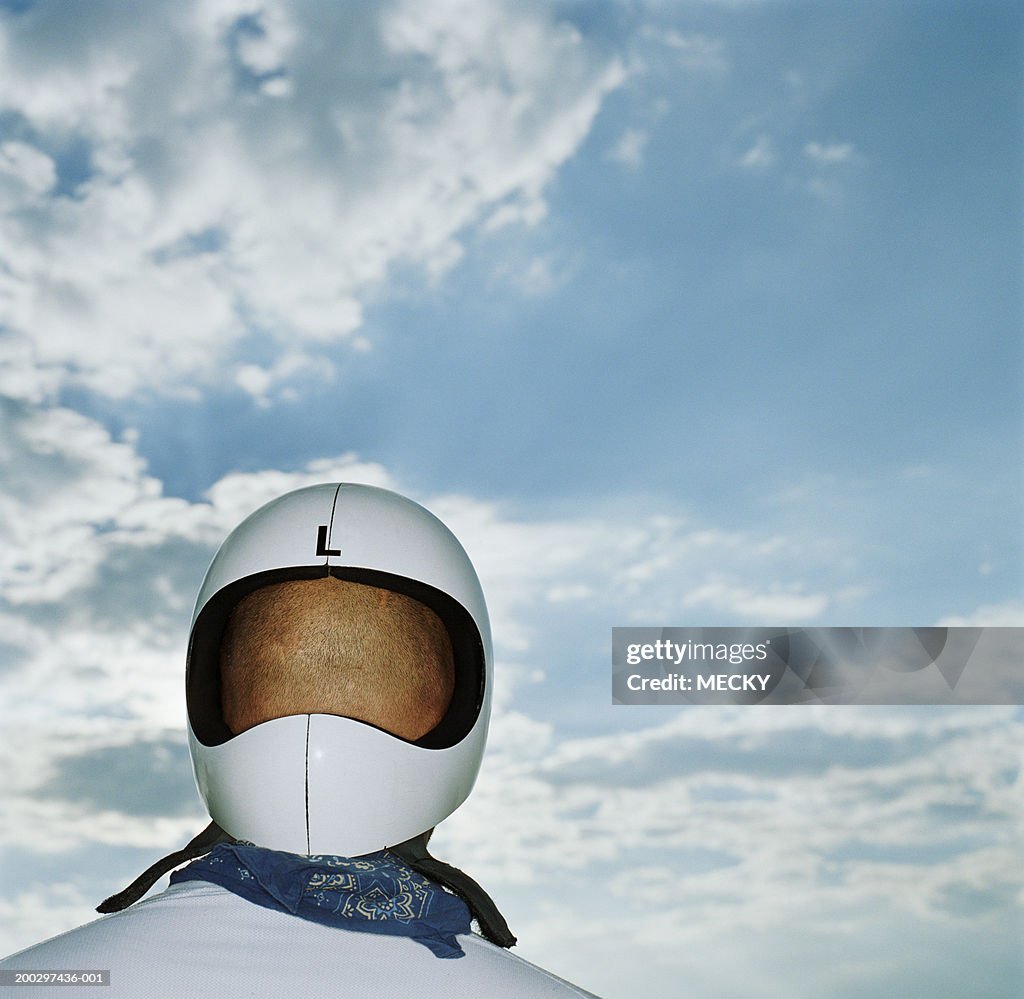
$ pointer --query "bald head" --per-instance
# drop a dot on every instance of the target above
(328, 646)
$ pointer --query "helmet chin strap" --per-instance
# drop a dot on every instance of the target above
(481, 905)
(413, 852)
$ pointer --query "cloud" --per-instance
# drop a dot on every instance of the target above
(691, 51)
(719, 824)
(35, 913)
(776, 604)
(629, 150)
(66, 481)
(823, 158)
(760, 155)
(537, 276)
(695, 51)
(828, 159)
(1006, 614)
(831, 153)
(146, 778)
(29, 167)
(258, 169)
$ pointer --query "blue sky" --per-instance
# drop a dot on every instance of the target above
(679, 313)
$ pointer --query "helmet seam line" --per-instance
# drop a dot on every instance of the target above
(308, 720)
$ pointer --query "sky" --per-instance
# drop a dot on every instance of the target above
(678, 313)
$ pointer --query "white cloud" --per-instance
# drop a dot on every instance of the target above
(755, 817)
(267, 40)
(28, 165)
(827, 158)
(830, 153)
(690, 50)
(291, 372)
(629, 150)
(67, 482)
(41, 912)
(1006, 614)
(256, 167)
(776, 604)
(537, 276)
(760, 155)
(696, 51)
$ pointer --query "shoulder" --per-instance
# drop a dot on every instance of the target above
(503, 973)
(148, 937)
(200, 940)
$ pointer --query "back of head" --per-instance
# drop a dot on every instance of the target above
(329, 646)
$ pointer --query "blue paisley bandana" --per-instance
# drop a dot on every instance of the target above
(376, 893)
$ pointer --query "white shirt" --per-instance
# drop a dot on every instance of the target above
(199, 940)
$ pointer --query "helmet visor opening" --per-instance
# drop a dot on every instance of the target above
(203, 676)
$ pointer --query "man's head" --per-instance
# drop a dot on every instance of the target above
(339, 675)
(328, 646)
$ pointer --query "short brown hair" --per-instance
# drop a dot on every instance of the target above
(329, 646)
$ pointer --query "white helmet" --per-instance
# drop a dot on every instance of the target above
(321, 783)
